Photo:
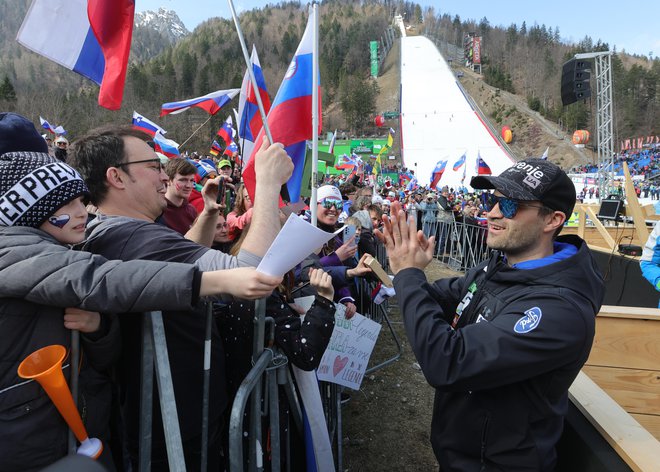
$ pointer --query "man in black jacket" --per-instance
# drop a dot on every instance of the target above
(502, 344)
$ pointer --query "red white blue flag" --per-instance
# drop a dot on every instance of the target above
(249, 119)
(346, 163)
(50, 128)
(231, 150)
(436, 175)
(459, 163)
(482, 167)
(146, 125)
(226, 131)
(166, 146)
(211, 103)
(90, 37)
(290, 118)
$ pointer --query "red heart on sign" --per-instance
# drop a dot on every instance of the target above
(339, 365)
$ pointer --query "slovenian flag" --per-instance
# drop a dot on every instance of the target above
(92, 38)
(226, 131)
(165, 146)
(50, 128)
(290, 118)
(249, 120)
(436, 175)
(482, 167)
(215, 148)
(459, 163)
(346, 163)
(146, 125)
(211, 103)
(231, 150)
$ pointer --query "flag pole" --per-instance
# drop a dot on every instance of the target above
(315, 112)
(284, 192)
(195, 132)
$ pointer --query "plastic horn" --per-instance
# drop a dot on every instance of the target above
(45, 366)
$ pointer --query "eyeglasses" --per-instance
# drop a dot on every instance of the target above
(153, 161)
(328, 203)
(61, 143)
(508, 206)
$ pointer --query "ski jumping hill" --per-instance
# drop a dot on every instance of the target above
(437, 121)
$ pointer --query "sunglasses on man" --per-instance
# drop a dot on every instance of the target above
(329, 203)
(508, 206)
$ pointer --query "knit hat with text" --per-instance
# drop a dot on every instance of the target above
(33, 186)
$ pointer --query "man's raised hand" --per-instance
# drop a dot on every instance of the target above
(272, 163)
(406, 247)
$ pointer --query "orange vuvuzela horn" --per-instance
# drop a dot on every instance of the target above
(45, 366)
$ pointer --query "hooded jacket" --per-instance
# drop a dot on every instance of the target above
(502, 373)
(40, 277)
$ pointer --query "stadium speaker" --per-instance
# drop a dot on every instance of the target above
(575, 81)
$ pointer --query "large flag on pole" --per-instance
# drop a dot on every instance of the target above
(290, 118)
(211, 103)
(92, 38)
(249, 119)
(146, 125)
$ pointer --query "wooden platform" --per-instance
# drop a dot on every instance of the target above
(619, 387)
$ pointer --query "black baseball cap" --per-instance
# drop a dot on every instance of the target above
(533, 179)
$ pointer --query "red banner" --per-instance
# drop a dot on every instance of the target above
(476, 47)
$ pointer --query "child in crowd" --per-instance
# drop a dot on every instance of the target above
(42, 212)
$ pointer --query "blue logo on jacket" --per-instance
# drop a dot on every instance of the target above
(528, 322)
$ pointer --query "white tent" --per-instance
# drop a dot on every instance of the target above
(437, 121)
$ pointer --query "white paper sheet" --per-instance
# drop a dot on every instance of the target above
(296, 240)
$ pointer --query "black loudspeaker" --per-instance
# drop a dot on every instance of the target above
(575, 81)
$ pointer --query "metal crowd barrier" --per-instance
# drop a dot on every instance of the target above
(260, 386)
(459, 245)
(154, 354)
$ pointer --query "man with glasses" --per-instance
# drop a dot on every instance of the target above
(502, 344)
(128, 185)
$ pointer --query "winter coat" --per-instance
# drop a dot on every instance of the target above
(40, 278)
(502, 373)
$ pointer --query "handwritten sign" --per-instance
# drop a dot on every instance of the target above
(347, 355)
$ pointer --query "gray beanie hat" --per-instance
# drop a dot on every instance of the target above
(33, 186)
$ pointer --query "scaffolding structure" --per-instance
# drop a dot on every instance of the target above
(604, 118)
